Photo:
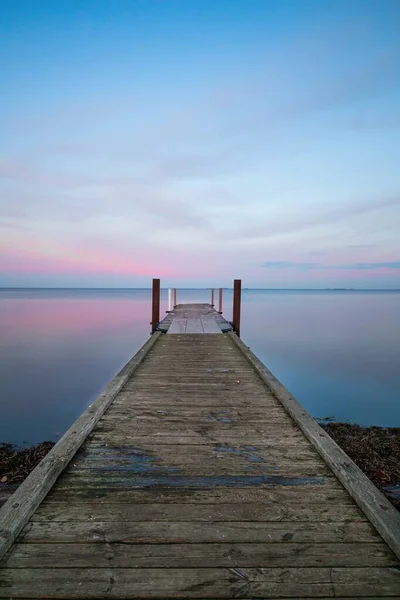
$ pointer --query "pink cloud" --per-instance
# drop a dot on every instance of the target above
(87, 261)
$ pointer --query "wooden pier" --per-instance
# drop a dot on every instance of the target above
(195, 474)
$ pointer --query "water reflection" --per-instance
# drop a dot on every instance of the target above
(58, 351)
(336, 352)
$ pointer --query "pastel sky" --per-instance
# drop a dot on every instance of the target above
(198, 141)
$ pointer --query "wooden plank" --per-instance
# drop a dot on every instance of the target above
(247, 433)
(115, 438)
(195, 470)
(194, 420)
(330, 494)
(194, 325)
(177, 326)
(201, 583)
(210, 468)
(168, 554)
(244, 430)
(230, 456)
(308, 598)
(142, 410)
(165, 397)
(372, 502)
(210, 325)
(285, 444)
(167, 480)
(342, 519)
(195, 532)
(16, 512)
(246, 380)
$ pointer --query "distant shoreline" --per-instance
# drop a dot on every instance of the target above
(247, 289)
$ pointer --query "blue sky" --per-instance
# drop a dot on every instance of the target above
(200, 141)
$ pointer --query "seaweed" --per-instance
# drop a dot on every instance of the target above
(16, 463)
(375, 450)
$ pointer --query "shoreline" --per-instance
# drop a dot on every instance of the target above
(374, 449)
(16, 464)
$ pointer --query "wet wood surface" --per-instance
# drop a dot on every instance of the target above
(196, 483)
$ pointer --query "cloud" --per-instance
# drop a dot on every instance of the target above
(277, 98)
(33, 195)
(312, 266)
(269, 229)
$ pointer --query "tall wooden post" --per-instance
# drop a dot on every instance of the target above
(212, 296)
(155, 319)
(174, 297)
(169, 300)
(237, 292)
(220, 301)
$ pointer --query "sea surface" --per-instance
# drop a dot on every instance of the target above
(338, 352)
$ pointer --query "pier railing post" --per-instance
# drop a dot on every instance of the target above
(237, 293)
(220, 301)
(212, 296)
(169, 299)
(155, 319)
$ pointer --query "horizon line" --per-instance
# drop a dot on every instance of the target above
(326, 289)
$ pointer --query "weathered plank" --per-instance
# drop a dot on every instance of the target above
(197, 474)
(341, 519)
(197, 532)
(228, 420)
(195, 326)
(141, 408)
(210, 325)
(115, 437)
(211, 455)
(178, 325)
(331, 493)
(274, 596)
(201, 583)
(166, 553)
(244, 430)
(191, 441)
(210, 459)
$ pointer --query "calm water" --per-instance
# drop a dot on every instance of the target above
(337, 352)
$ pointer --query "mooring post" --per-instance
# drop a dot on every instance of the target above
(174, 297)
(169, 299)
(237, 292)
(155, 319)
(212, 296)
(220, 301)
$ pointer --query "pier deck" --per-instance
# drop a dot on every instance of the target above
(194, 318)
(196, 483)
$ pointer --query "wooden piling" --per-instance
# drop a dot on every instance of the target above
(220, 301)
(212, 296)
(174, 297)
(155, 305)
(237, 292)
(169, 300)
